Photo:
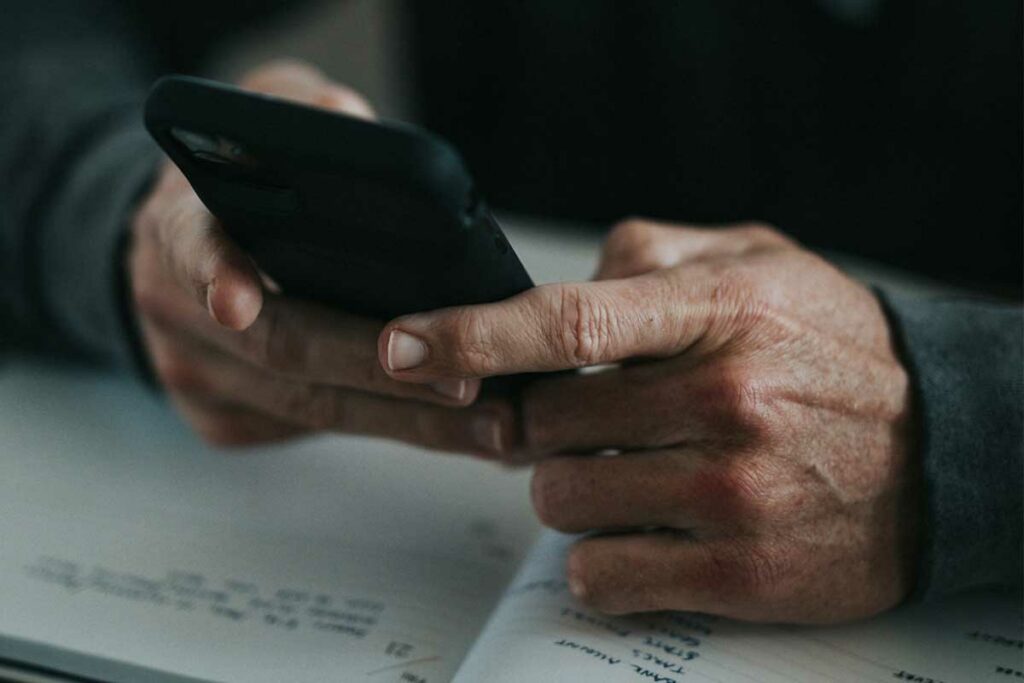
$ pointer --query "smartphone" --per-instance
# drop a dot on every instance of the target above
(376, 219)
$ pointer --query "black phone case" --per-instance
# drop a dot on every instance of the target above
(377, 219)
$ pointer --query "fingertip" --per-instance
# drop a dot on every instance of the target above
(382, 347)
(234, 302)
(457, 392)
(596, 579)
(400, 351)
(472, 390)
(346, 101)
(575, 575)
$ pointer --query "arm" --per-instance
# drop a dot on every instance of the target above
(73, 161)
(965, 361)
(92, 243)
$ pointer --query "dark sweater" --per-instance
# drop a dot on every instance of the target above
(895, 135)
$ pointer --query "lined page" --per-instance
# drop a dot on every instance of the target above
(540, 633)
(131, 552)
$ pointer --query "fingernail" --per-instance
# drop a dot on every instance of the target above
(405, 351)
(487, 433)
(576, 587)
(452, 388)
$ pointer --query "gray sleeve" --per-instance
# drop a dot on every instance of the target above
(74, 159)
(965, 360)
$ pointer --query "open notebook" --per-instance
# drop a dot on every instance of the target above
(129, 552)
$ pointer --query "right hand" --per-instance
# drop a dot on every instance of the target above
(245, 364)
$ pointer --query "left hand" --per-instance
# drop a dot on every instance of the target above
(246, 364)
(759, 414)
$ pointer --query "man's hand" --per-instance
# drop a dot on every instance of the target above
(759, 420)
(246, 365)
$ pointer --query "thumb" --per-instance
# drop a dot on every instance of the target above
(553, 327)
(207, 263)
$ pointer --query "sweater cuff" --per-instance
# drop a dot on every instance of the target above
(965, 361)
(82, 248)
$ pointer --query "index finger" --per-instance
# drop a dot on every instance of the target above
(552, 327)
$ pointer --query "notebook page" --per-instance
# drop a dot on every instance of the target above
(539, 633)
(131, 552)
(103, 493)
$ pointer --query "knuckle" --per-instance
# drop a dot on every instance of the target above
(343, 99)
(191, 256)
(742, 488)
(271, 344)
(758, 232)
(178, 373)
(467, 337)
(637, 246)
(267, 74)
(630, 235)
(757, 314)
(474, 360)
(584, 326)
(732, 289)
(736, 298)
(736, 397)
(757, 229)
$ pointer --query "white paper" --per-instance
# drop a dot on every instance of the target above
(540, 633)
(129, 551)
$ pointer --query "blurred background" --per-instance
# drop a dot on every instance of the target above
(888, 130)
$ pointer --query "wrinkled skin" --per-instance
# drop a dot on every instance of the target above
(754, 417)
(244, 364)
(759, 417)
